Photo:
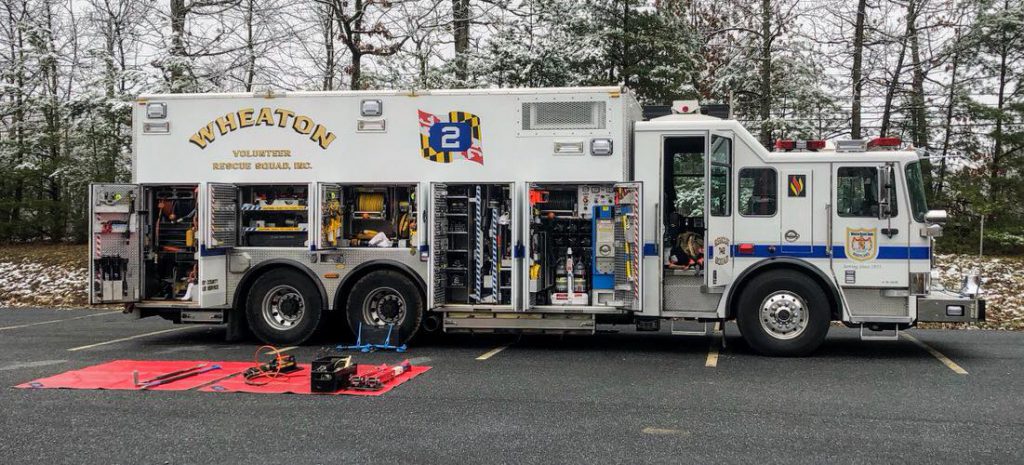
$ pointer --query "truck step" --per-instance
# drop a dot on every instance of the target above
(883, 335)
(455, 322)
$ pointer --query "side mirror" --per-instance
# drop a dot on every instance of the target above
(936, 217)
(933, 223)
(885, 177)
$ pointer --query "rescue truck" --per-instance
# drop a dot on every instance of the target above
(509, 210)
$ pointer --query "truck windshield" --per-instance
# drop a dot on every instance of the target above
(915, 185)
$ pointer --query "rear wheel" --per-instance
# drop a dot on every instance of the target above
(783, 313)
(382, 298)
(283, 307)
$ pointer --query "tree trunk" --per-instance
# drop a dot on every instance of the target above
(177, 50)
(460, 27)
(855, 78)
(765, 86)
(940, 183)
(894, 83)
(250, 46)
(330, 63)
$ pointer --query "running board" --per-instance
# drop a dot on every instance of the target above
(688, 332)
(490, 322)
(883, 335)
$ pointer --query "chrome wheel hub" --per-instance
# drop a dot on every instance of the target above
(283, 307)
(784, 315)
(384, 306)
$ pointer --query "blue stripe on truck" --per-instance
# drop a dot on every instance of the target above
(820, 251)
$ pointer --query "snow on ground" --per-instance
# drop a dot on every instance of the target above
(56, 276)
(33, 284)
(1002, 286)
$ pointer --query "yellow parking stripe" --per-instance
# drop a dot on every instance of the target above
(492, 352)
(26, 325)
(129, 338)
(716, 335)
(938, 355)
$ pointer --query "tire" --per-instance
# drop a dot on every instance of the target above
(383, 297)
(283, 307)
(783, 313)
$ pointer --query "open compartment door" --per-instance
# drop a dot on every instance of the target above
(115, 265)
(437, 225)
(629, 245)
(331, 218)
(219, 220)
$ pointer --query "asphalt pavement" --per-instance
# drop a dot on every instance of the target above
(933, 397)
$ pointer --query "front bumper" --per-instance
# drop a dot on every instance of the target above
(949, 307)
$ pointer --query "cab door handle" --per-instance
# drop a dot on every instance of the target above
(890, 232)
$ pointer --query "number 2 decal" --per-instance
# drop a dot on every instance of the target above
(450, 137)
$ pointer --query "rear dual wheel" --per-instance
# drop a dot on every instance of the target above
(383, 298)
(283, 307)
(783, 313)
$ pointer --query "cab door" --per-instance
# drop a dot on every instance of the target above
(115, 248)
(870, 235)
(719, 210)
(219, 220)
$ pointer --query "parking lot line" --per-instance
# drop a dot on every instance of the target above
(938, 355)
(137, 336)
(492, 352)
(26, 325)
(716, 335)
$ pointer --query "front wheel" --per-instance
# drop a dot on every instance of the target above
(783, 313)
(383, 298)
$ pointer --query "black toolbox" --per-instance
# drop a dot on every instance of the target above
(331, 373)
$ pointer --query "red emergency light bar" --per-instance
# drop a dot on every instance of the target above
(885, 142)
(789, 144)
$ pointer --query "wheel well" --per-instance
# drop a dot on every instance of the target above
(245, 285)
(360, 271)
(835, 305)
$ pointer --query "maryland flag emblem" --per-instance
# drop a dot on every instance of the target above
(443, 137)
(797, 185)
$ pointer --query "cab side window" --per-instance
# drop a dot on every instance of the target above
(857, 192)
(758, 192)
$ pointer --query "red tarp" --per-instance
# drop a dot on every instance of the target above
(298, 383)
(118, 375)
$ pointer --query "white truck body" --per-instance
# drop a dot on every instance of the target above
(520, 144)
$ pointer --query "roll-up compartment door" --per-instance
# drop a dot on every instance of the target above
(438, 242)
(222, 216)
(330, 215)
(115, 268)
(629, 245)
(221, 226)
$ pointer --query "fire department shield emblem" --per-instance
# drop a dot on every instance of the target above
(861, 243)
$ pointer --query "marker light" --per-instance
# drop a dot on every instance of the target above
(601, 147)
(156, 110)
(885, 142)
(371, 108)
(788, 144)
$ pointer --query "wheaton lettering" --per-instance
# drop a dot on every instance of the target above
(248, 117)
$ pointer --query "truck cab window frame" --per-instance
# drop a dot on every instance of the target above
(915, 187)
(857, 193)
(720, 179)
(758, 187)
